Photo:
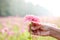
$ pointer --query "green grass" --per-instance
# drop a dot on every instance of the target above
(24, 36)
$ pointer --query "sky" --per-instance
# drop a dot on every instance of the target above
(53, 6)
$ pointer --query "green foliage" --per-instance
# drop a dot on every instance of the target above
(20, 8)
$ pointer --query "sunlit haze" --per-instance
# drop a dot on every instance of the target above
(53, 6)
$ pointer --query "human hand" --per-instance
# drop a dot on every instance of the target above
(41, 29)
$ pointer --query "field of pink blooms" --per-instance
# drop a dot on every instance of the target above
(14, 28)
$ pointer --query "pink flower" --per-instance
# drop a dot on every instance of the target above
(32, 18)
(4, 30)
(10, 33)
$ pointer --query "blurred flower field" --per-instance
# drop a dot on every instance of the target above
(14, 28)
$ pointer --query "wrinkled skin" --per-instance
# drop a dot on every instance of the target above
(38, 29)
(44, 30)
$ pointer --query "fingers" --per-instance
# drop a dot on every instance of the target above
(39, 30)
(36, 32)
(40, 33)
(36, 26)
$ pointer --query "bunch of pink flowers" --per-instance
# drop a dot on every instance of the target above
(32, 18)
(34, 21)
(6, 30)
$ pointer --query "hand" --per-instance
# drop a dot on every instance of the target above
(40, 29)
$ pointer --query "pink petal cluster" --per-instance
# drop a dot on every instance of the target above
(5, 29)
(32, 18)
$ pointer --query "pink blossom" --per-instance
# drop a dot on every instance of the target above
(5, 29)
(32, 18)
(10, 33)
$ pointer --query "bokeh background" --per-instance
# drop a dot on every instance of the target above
(20, 29)
(12, 13)
(21, 8)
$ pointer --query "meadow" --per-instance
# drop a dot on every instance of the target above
(14, 28)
